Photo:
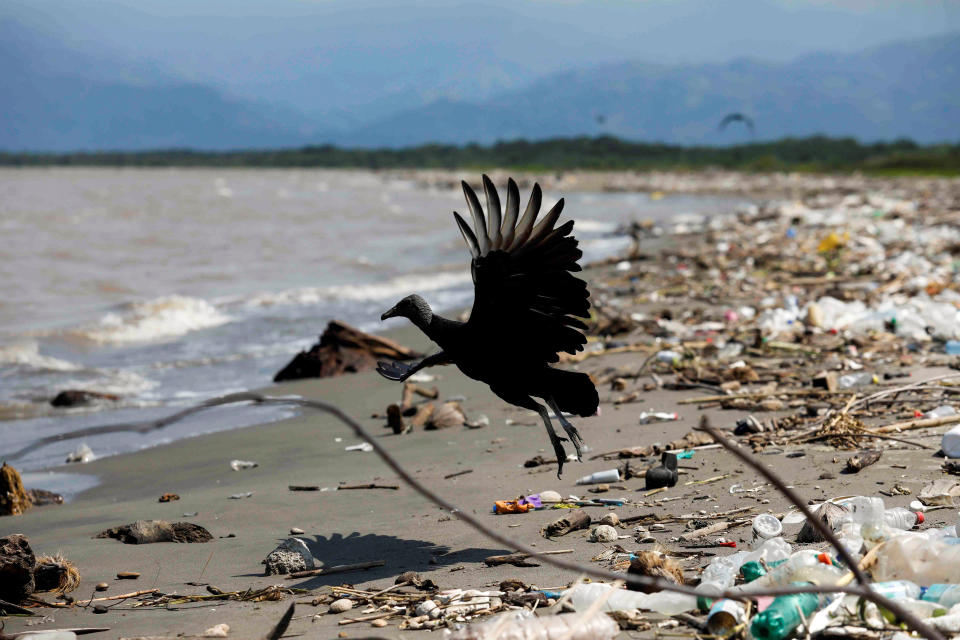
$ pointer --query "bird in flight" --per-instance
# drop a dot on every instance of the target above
(525, 311)
(737, 117)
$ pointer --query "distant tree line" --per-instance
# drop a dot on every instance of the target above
(817, 153)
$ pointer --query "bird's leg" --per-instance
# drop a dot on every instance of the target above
(569, 428)
(555, 440)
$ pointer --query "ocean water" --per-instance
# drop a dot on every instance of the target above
(169, 286)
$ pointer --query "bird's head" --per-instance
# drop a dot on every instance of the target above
(413, 308)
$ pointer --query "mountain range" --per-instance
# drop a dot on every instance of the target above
(61, 97)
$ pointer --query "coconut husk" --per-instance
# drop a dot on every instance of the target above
(55, 573)
(655, 565)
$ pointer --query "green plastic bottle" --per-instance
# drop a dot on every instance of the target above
(753, 570)
(782, 617)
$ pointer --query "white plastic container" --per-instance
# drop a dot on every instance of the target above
(766, 526)
(951, 442)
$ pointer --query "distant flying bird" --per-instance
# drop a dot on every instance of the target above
(736, 117)
(525, 310)
(601, 119)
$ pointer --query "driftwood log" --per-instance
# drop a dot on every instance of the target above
(343, 349)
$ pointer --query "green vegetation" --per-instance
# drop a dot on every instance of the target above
(604, 153)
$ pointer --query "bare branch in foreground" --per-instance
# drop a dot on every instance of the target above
(649, 582)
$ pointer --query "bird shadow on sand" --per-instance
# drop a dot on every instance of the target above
(400, 555)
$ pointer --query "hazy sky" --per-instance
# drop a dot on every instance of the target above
(348, 54)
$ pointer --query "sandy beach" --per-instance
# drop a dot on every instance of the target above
(408, 533)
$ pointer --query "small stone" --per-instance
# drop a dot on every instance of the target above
(610, 519)
(99, 608)
(341, 605)
(295, 531)
(604, 533)
(550, 496)
(102, 586)
(127, 575)
(290, 555)
(379, 622)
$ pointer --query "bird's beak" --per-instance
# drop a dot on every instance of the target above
(389, 314)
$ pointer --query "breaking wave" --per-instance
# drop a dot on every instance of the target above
(364, 292)
(156, 319)
(27, 354)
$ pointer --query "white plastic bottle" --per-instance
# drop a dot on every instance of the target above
(666, 602)
(942, 411)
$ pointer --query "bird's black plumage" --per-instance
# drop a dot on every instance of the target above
(526, 309)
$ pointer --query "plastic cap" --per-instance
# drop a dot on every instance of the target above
(920, 517)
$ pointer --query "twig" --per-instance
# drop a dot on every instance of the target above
(656, 584)
(458, 473)
(339, 568)
(347, 487)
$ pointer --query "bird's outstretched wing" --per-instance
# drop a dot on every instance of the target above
(526, 299)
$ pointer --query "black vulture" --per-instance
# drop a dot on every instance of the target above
(525, 310)
(736, 117)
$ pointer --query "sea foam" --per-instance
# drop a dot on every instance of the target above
(156, 319)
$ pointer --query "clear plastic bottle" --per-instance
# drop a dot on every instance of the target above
(947, 595)
(918, 557)
(942, 411)
(897, 589)
(900, 518)
(863, 509)
(523, 625)
(665, 602)
(857, 380)
(797, 569)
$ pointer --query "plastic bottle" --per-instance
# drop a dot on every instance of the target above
(665, 602)
(857, 380)
(897, 589)
(952, 347)
(783, 616)
(722, 570)
(942, 411)
(610, 475)
(724, 616)
(797, 566)
(862, 509)
(921, 558)
(670, 357)
(947, 595)
(900, 518)
(523, 625)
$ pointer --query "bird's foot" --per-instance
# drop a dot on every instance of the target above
(574, 437)
(396, 371)
(559, 452)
